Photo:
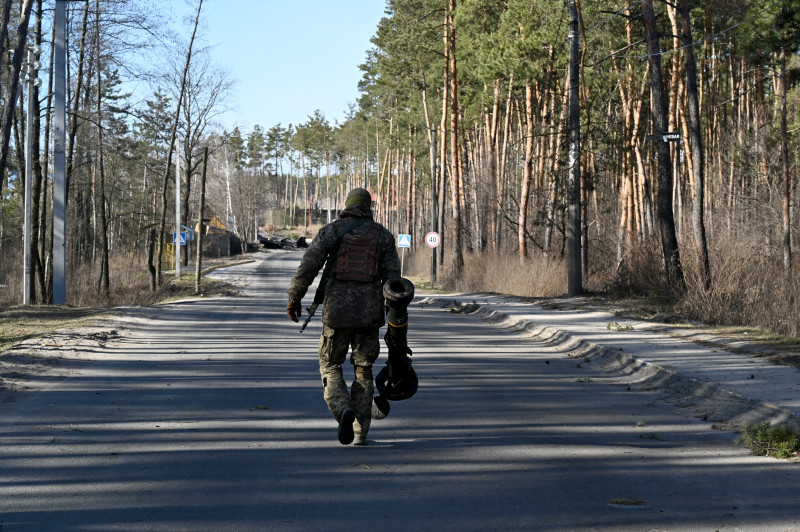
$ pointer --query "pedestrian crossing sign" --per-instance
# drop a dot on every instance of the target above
(404, 241)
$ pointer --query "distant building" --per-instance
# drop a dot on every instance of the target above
(217, 240)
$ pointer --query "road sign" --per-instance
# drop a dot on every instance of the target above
(179, 238)
(666, 137)
(432, 239)
(404, 241)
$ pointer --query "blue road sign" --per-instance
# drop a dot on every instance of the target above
(404, 241)
(179, 239)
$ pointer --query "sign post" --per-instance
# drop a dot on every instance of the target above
(403, 242)
(665, 137)
(432, 240)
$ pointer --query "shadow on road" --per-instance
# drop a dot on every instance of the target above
(208, 415)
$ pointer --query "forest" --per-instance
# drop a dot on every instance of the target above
(686, 183)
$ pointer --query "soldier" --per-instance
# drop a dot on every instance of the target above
(353, 310)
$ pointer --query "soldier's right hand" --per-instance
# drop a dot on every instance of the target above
(293, 310)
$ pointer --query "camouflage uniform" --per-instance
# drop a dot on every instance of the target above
(353, 312)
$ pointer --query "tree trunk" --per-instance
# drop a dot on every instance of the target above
(457, 260)
(45, 229)
(669, 240)
(37, 178)
(3, 36)
(443, 144)
(104, 283)
(502, 174)
(198, 272)
(73, 128)
(186, 190)
(527, 175)
(574, 262)
(787, 187)
(696, 143)
(490, 138)
(4, 18)
(13, 86)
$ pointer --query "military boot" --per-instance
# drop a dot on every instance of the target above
(345, 432)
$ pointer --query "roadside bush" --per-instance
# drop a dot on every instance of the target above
(129, 282)
(766, 440)
(748, 288)
(641, 273)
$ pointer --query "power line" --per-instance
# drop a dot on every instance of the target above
(612, 16)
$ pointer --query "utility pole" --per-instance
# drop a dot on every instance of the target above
(434, 201)
(176, 244)
(59, 157)
(574, 269)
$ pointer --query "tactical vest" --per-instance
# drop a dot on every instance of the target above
(357, 257)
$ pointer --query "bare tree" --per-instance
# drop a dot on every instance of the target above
(205, 89)
(165, 186)
(103, 284)
(6, 16)
(13, 85)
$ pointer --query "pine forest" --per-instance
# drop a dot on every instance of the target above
(637, 149)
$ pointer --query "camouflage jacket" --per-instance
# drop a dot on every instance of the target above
(348, 303)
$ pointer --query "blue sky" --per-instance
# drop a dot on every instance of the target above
(289, 57)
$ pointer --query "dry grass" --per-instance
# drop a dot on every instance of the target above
(130, 282)
(537, 276)
(641, 274)
(749, 288)
(750, 291)
(10, 276)
(18, 323)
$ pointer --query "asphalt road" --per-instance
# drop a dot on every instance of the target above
(208, 415)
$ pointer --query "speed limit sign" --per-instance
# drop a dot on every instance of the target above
(432, 239)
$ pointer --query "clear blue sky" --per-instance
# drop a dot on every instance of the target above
(289, 57)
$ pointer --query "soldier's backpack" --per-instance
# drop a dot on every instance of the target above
(357, 257)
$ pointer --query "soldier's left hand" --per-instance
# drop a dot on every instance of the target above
(293, 310)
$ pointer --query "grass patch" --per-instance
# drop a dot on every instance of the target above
(766, 440)
(18, 323)
(421, 283)
(180, 288)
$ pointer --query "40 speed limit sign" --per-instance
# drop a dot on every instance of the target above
(432, 239)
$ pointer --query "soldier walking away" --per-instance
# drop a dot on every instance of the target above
(361, 257)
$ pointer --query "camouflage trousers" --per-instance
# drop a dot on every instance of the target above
(333, 348)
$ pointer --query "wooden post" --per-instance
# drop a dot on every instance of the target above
(198, 270)
(574, 269)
